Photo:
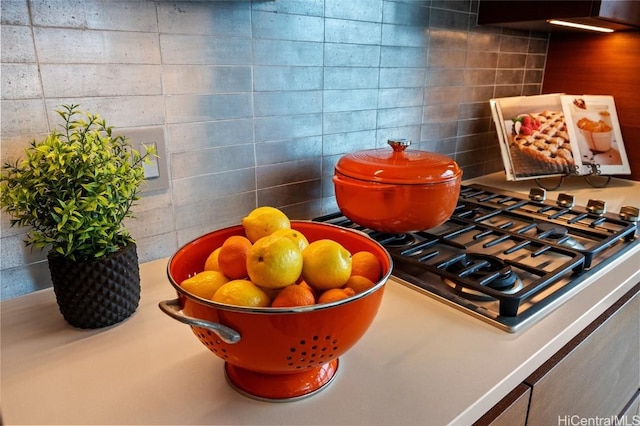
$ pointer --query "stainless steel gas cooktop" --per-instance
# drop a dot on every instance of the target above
(506, 259)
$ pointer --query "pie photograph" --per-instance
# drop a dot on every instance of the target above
(558, 135)
(542, 141)
(535, 135)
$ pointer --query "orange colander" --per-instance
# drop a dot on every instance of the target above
(276, 354)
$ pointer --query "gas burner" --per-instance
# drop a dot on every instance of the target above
(394, 240)
(558, 234)
(551, 230)
(504, 258)
(472, 294)
(485, 270)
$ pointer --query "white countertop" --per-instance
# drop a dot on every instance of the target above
(421, 362)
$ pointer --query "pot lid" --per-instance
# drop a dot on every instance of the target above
(398, 165)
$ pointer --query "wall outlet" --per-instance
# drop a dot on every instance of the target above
(156, 172)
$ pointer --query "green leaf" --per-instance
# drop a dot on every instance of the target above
(63, 221)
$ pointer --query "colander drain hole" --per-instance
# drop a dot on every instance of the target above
(207, 338)
(316, 352)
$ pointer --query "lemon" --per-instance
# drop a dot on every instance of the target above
(274, 262)
(241, 293)
(205, 283)
(295, 236)
(326, 264)
(263, 221)
(211, 264)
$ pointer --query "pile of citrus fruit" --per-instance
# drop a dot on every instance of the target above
(275, 265)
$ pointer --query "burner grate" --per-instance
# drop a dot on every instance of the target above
(430, 256)
(549, 248)
(602, 231)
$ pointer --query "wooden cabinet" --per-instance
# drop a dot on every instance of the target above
(511, 410)
(597, 64)
(595, 375)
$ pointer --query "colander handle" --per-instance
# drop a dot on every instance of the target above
(173, 309)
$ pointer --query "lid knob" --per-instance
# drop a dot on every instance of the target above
(399, 145)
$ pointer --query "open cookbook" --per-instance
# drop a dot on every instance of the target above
(558, 135)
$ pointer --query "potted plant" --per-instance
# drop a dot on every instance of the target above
(74, 189)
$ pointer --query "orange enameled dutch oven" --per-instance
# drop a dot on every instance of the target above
(397, 190)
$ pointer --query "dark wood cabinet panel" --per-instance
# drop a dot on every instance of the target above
(510, 411)
(607, 64)
(595, 375)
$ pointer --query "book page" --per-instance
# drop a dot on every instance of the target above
(504, 143)
(593, 123)
(534, 133)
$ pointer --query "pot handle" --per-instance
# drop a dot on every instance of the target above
(362, 184)
(172, 308)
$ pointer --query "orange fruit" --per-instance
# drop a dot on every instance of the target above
(335, 294)
(304, 284)
(263, 221)
(294, 295)
(366, 264)
(359, 283)
(211, 264)
(295, 236)
(232, 258)
(274, 262)
(326, 264)
(205, 283)
(241, 293)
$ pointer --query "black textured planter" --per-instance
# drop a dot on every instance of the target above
(97, 293)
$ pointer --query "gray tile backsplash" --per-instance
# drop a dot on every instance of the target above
(257, 100)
